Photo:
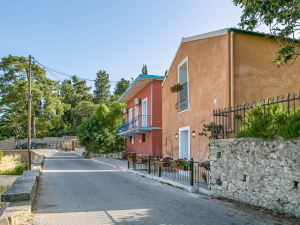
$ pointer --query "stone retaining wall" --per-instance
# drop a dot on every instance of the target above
(50, 142)
(115, 155)
(259, 172)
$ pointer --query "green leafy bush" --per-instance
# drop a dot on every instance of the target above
(1, 155)
(271, 121)
(289, 125)
(18, 170)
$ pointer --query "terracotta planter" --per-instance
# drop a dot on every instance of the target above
(131, 159)
(185, 168)
(141, 161)
(163, 164)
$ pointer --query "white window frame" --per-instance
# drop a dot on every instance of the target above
(187, 128)
(130, 114)
(185, 60)
(146, 124)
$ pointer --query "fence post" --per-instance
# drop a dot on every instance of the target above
(159, 171)
(192, 172)
(149, 164)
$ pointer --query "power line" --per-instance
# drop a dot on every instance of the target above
(49, 69)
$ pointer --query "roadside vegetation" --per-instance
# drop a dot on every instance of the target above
(11, 164)
(271, 121)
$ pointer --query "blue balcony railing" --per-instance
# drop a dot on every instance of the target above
(138, 123)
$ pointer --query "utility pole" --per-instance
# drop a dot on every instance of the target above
(29, 114)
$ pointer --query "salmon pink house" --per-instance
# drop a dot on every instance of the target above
(143, 116)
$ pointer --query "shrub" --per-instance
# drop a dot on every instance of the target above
(289, 125)
(261, 122)
(270, 121)
(18, 170)
(1, 155)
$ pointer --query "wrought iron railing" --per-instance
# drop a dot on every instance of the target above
(196, 173)
(228, 121)
(183, 98)
(138, 122)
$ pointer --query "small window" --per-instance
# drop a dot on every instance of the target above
(132, 140)
(143, 137)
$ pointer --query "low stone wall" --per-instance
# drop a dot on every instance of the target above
(48, 142)
(259, 172)
(115, 155)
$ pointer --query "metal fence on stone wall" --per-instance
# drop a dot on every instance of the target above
(228, 122)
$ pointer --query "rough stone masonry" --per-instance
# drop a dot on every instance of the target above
(262, 173)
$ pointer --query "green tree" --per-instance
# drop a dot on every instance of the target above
(102, 86)
(72, 92)
(121, 87)
(98, 132)
(46, 103)
(82, 110)
(283, 19)
(12, 123)
(144, 69)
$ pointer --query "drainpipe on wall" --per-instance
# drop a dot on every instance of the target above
(152, 103)
(231, 70)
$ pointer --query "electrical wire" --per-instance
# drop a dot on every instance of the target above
(50, 70)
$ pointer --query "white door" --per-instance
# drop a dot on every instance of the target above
(130, 117)
(184, 143)
(144, 113)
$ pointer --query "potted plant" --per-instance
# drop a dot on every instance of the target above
(131, 157)
(181, 164)
(176, 88)
(164, 162)
(141, 160)
(205, 165)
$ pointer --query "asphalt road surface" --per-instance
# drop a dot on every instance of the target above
(76, 191)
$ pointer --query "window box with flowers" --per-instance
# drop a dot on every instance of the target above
(181, 164)
(164, 162)
(176, 88)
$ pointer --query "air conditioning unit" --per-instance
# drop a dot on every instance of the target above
(137, 101)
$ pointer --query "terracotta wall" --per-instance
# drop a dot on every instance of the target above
(208, 82)
(152, 145)
(256, 76)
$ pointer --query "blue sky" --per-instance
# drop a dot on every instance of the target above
(82, 37)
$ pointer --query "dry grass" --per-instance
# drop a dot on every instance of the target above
(9, 163)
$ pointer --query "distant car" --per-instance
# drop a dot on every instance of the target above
(24, 146)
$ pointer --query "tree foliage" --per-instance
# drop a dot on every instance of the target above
(102, 86)
(46, 105)
(144, 69)
(121, 87)
(98, 132)
(283, 19)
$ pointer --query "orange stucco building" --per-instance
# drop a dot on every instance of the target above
(216, 70)
(143, 116)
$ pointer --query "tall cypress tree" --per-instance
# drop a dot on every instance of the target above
(144, 69)
(102, 86)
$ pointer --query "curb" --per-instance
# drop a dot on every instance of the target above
(191, 189)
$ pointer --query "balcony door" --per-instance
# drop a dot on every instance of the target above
(144, 112)
(130, 117)
(136, 116)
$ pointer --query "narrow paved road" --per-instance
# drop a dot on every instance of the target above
(77, 191)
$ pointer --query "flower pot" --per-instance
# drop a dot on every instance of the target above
(141, 161)
(185, 168)
(162, 164)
